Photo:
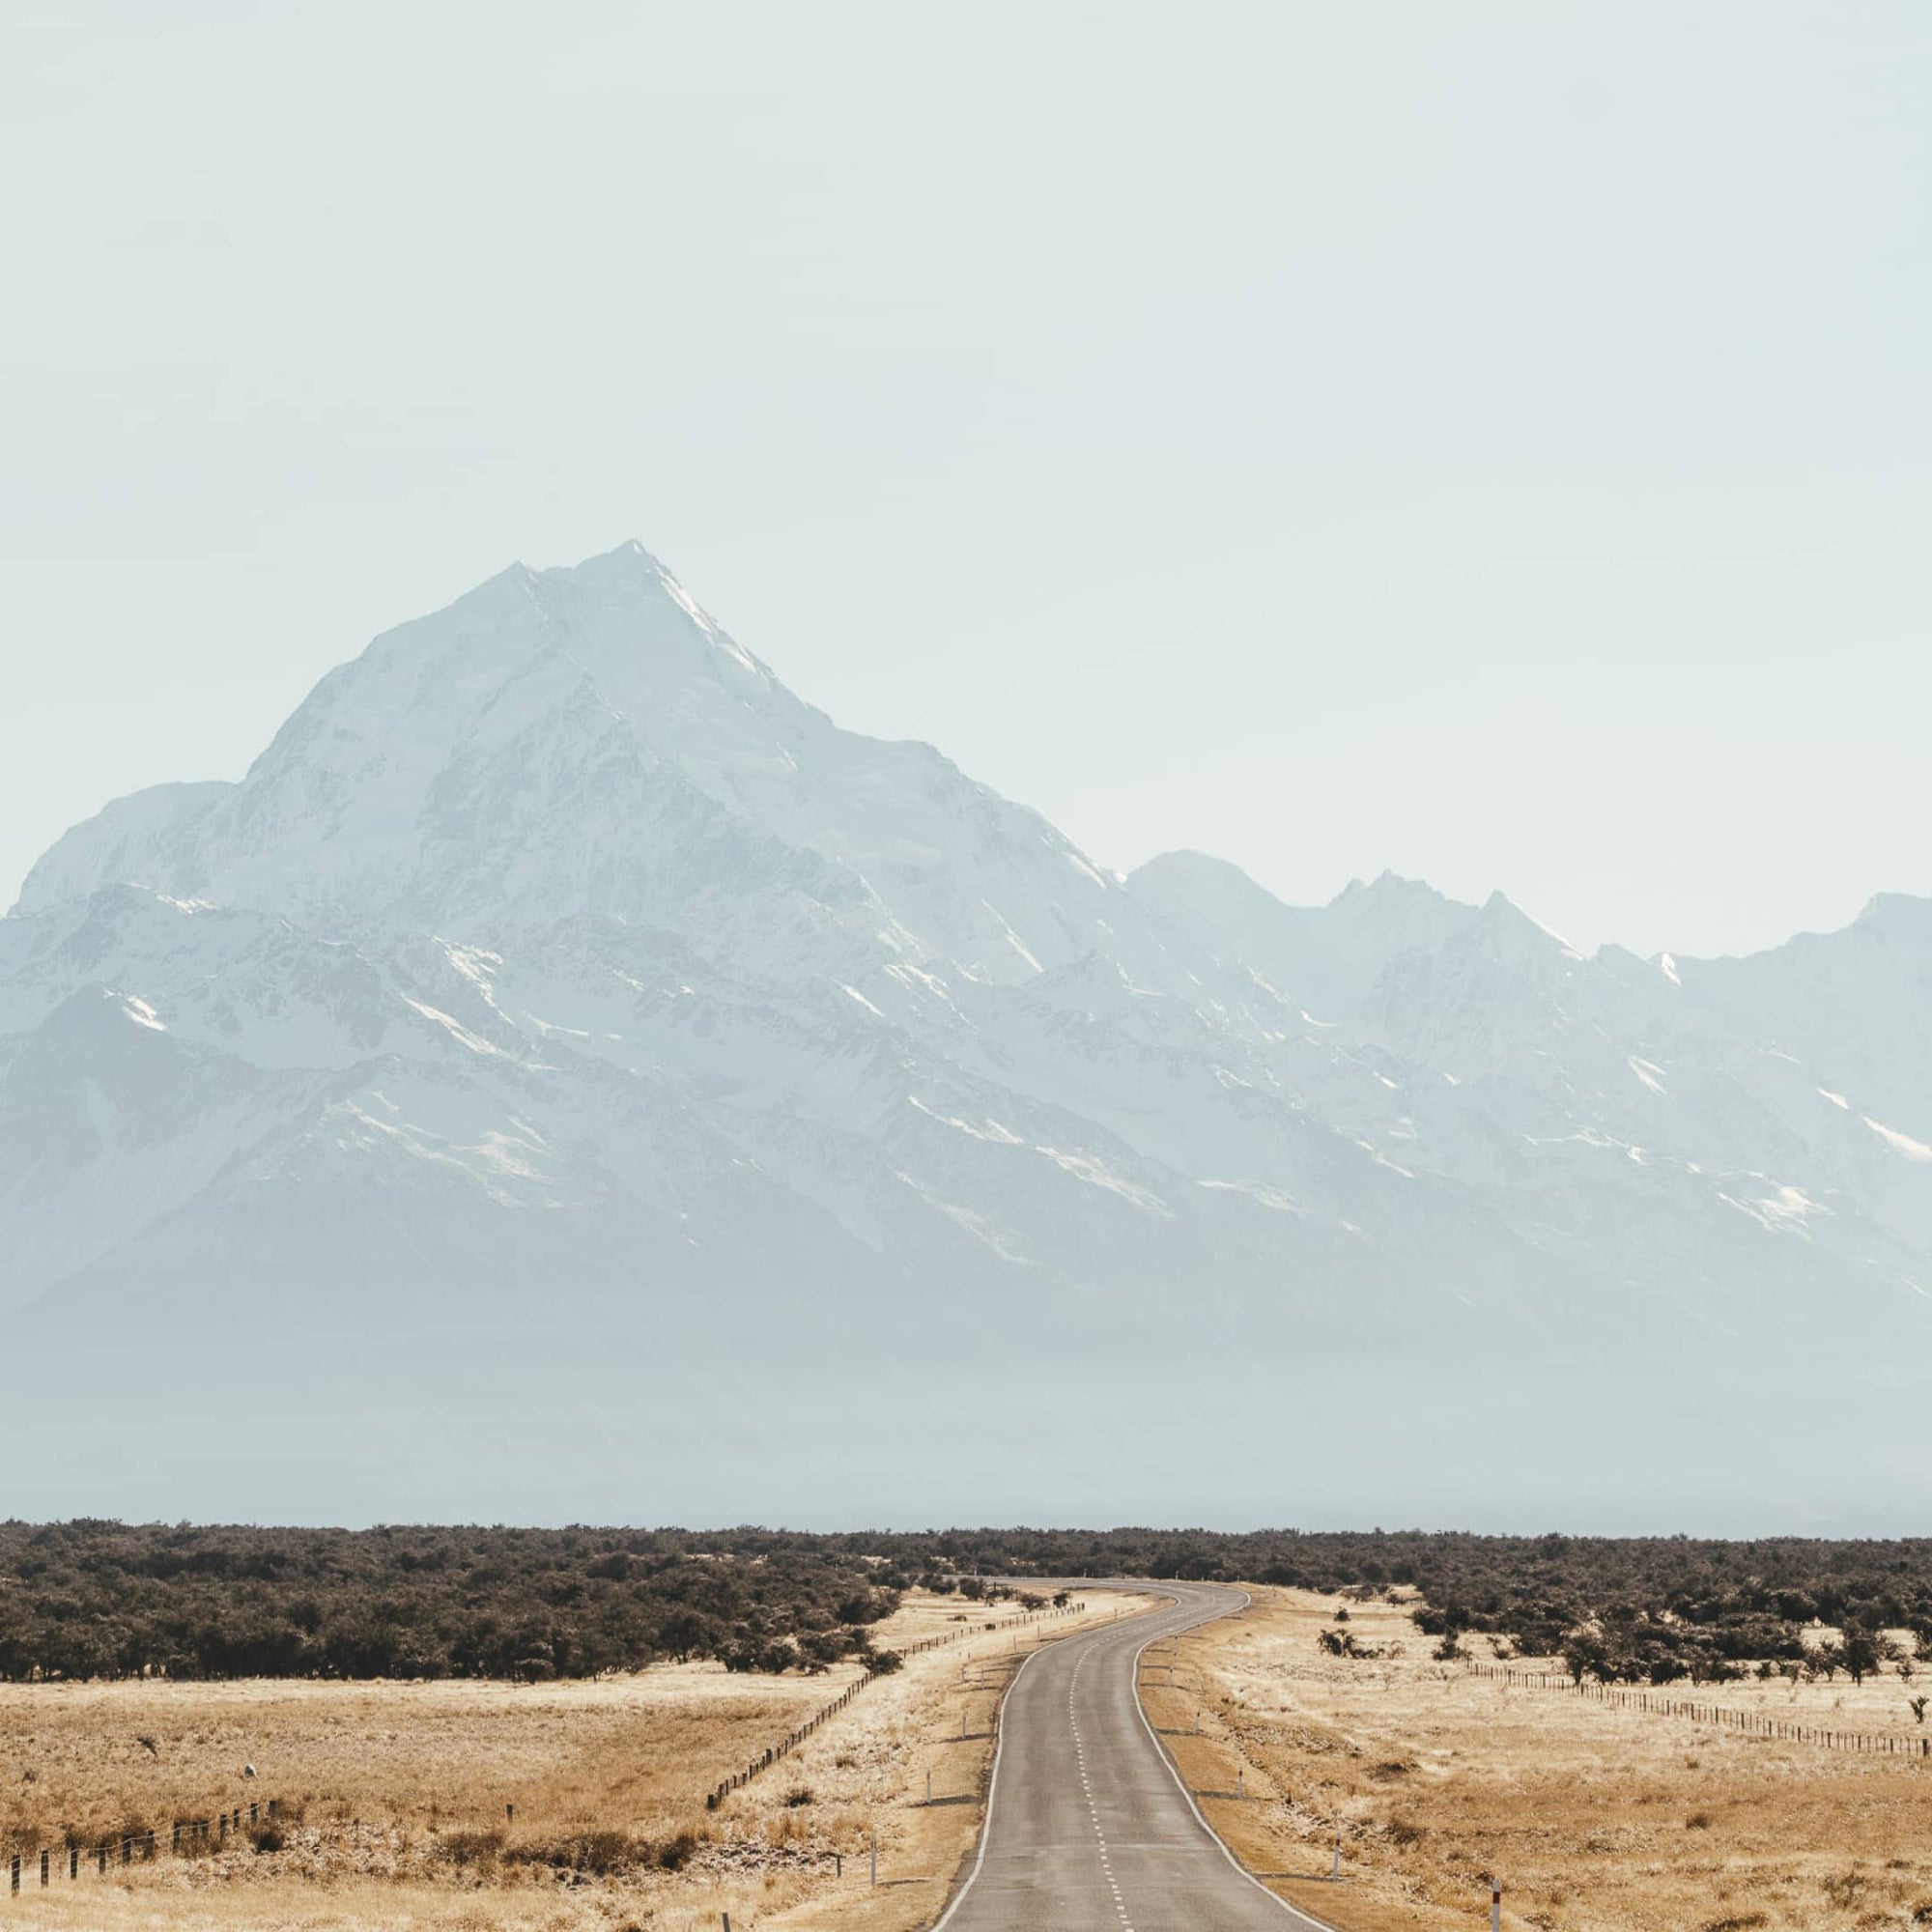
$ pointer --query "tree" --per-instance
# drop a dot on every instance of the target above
(1586, 1653)
(1857, 1652)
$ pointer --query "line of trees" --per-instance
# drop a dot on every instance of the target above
(1654, 1609)
(97, 1598)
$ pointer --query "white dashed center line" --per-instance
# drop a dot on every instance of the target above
(1087, 1790)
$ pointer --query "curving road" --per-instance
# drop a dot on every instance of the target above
(1088, 1827)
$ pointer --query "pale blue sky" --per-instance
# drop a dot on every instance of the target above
(1494, 443)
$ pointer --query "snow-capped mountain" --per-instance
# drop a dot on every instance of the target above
(555, 970)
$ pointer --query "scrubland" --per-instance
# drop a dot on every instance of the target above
(394, 1795)
(1595, 1819)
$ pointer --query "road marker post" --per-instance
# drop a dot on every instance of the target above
(1496, 1906)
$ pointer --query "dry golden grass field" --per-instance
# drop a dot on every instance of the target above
(395, 1794)
(1595, 1819)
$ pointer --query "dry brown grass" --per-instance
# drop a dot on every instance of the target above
(1595, 1819)
(398, 1794)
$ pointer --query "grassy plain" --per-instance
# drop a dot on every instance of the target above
(1595, 1819)
(397, 1794)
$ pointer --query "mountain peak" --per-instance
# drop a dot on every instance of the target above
(630, 560)
(1177, 877)
(1903, 918)
(630, 549)
(1389, 888)
(588, 737)
(1501, 914)
(124, 840)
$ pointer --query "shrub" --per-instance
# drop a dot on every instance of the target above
(1845, 1889)
(470, 1848)
(674, 1853)
(597, 1853)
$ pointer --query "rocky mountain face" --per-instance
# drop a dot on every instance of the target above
(556, 986)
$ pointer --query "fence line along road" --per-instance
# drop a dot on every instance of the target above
(189, 1837)
(791, 1741)
(1747, 1723)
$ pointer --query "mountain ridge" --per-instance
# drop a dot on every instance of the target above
(555, 964)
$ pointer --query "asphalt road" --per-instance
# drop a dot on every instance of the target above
(1088, 1827)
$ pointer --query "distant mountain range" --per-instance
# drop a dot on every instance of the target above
(558, 989)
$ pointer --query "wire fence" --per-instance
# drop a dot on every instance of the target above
(42, 1866)
(791, 1741)
(1748, 1724)
(184, 1839)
